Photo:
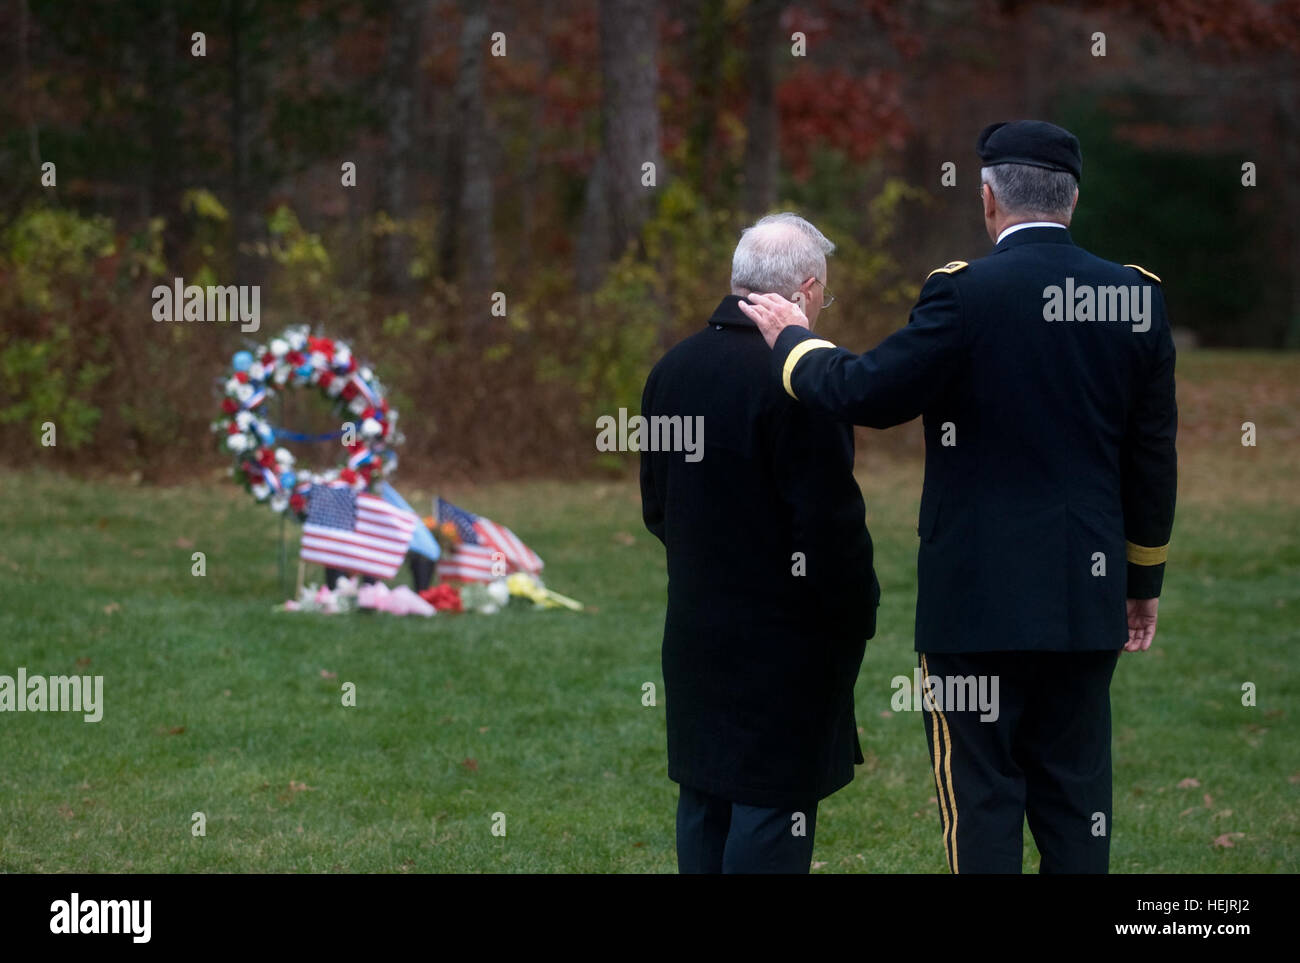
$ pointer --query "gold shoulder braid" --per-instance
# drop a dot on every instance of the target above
(1139, 267)
(952, 267)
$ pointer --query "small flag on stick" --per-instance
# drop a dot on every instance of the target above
(355, 532)
(483, 545)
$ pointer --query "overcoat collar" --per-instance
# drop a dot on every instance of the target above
(728, 313)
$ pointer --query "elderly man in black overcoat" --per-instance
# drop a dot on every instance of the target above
(771, 590)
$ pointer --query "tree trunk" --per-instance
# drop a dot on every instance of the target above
(762, 20)
(475, 167)
(447, 150)
(245, 209)
(592, 249)
(707, 54)
(532, 178)
(629, 113)
(162, 123)
(1287, 94)
(394, 250)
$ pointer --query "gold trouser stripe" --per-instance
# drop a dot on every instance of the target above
(952, 794)
(792, 359)
(1141, 555)
(943, 776)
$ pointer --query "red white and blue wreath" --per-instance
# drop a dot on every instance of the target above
(296, 359)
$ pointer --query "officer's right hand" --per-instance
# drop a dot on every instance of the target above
(1141, 624)
(773, 314)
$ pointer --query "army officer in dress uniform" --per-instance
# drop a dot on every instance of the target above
(1045, 378)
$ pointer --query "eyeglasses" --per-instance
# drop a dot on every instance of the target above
(827, 298)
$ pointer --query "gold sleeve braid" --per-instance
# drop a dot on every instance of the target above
(792, 359)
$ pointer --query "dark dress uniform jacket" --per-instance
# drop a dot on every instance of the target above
(1061, 457)
(759, 662)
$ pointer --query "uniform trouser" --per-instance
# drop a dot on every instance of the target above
(716, 835)
(1046, 756)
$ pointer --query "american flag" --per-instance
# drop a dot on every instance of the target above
(483, 543)
(355, 532)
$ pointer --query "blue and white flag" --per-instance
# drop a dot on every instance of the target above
(422, 540)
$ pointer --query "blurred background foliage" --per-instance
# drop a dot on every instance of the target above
(515, 182)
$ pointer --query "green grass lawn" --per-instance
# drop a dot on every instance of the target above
(215, 703)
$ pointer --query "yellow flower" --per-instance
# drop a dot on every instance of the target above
(525, 586)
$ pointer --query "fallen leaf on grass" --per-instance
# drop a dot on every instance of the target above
(1225, 841)
(112, 607)
(83, 662)
(818, 864)
(1209, 800)
(624, 538)
(1191, 809)
(295, 786)
(1189, 783)
(327, 674)
(886, 714)
(183, 542)
(471, 764)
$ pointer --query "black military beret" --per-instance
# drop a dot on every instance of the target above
(1033, 142)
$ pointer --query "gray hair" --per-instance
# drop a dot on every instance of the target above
(1028, 191)
(778, 254)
